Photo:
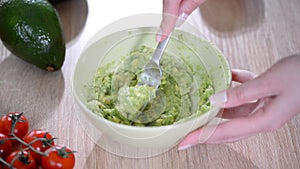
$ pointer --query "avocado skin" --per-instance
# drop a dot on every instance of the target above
(55, 1)
(32, 31)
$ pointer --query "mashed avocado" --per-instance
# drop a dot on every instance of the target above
(116, 95)
(132, 101)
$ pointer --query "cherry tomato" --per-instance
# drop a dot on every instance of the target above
(21, 127)
(59, 157)
(5, 146)
(23, 160)
(39, 145)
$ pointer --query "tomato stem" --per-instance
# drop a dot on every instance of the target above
(29, 145)
(63, 153)
(47, 142)
(17, 118)
(2, 141)
(5, 163)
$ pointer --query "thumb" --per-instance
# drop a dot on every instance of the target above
(249, 91)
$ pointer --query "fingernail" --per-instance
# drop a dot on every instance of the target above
(159, 35)
(184, 147)
(181, 19)
(218, 99)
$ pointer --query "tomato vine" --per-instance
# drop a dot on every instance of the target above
(36, 148)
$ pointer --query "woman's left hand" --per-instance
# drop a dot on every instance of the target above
(259, 104)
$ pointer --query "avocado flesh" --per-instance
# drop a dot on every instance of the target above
(32, 31)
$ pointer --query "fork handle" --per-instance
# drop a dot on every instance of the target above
(160, 49)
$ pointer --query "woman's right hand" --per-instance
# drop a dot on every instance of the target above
(175, 12)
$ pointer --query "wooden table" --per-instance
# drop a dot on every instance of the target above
(253, 34)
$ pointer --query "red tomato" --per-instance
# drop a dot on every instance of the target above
(39, 145)
(24, 160)
(21, 127)
(5, 146)
(59, 157)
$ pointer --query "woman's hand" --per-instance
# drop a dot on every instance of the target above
(173, 9)
(259, 104)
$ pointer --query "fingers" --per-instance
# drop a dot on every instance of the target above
(188, 6)
(244, 110)
(170, 13)
(172, 9)
(240, 111)
(242, 76)
(238, 75)
(270, 83)
(166, 27)
(249, 91)
(268, 118)
(229, 131)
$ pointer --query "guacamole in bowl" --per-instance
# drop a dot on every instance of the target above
(117, 96)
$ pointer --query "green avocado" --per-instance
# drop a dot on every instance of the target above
(32, 31)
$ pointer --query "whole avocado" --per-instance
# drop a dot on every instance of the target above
(54, 1)
(32, 31)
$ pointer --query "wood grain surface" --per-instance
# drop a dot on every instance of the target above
(252, 34)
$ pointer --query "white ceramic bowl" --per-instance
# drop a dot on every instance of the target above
(109, 45)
